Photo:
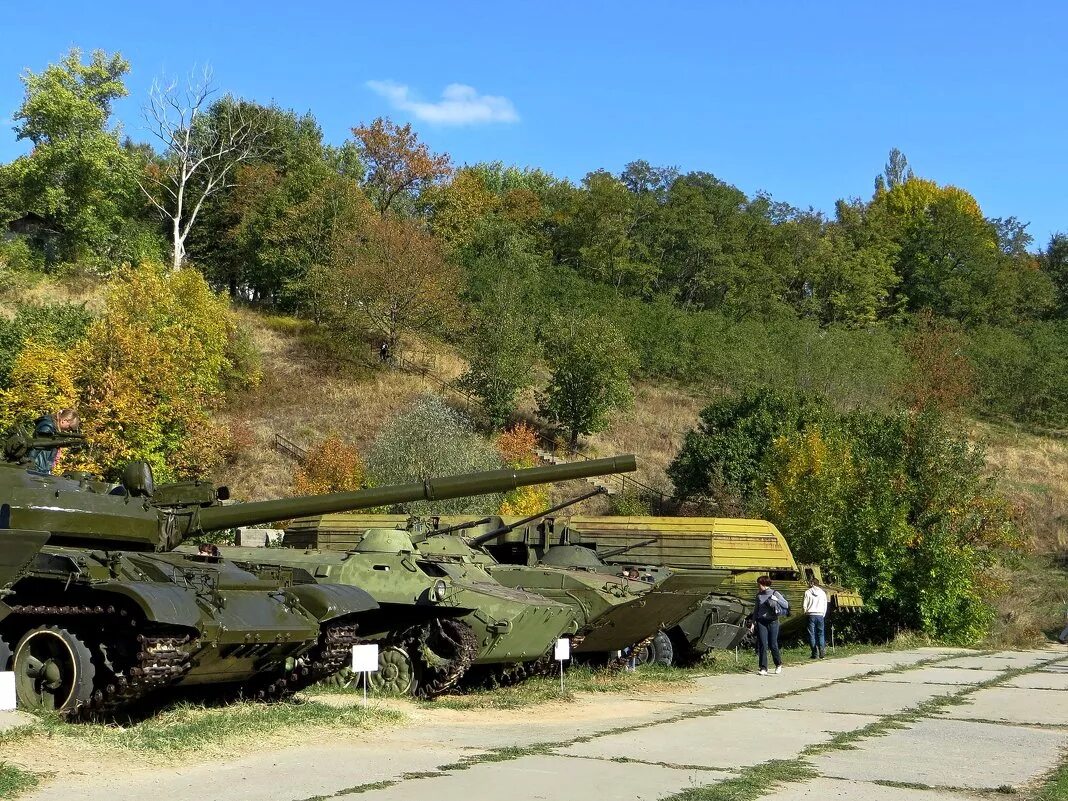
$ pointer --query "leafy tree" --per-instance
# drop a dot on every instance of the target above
(457, 207)
(591, 365)
(59, 324)
(895, 504)
(896, 172)
(430, 439)
(395, 279)
(516, 447)
(78, 177)
(502, 351)
(202, 144)
(1056, 267)
(721, 461)
(941, 375)
(398, 164)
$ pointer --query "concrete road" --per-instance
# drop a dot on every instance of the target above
(916, 725)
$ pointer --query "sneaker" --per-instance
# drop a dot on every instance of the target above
(763, 672)
(778, 669)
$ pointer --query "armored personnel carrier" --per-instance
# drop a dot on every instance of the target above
(438, 617)
(104, 612)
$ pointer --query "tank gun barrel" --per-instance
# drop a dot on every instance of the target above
(218, 518)
(18, 445)
(482, 539)
(610, 552)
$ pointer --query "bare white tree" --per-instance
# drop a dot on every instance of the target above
(202, 144)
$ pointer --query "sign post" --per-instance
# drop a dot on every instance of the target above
(562, 652)
(7, 691)
(365, 662)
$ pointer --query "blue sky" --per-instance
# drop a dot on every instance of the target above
(803, 100)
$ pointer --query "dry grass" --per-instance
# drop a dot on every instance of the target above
(306, 395)
(1033, 471)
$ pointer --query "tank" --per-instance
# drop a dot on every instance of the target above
(105, 612)
(435, 620)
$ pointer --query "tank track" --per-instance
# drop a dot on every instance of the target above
(439, 678)
(160, 662)
(497, 676)
(329, 656)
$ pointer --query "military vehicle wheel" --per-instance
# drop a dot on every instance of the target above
(53, 670)
(661, 651)
(5, 655)
(396, 672)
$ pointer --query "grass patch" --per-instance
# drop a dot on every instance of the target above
(15, 780)
(543, 689)
(1055, 788)
(188, 727)
(752, 783)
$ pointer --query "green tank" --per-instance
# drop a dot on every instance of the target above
(435, 620)
(437, 617)
(103, 612)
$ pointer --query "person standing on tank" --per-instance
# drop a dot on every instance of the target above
(815, 605)
(769, 606)
(65, 421)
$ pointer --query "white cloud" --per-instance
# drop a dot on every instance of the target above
(459, 105)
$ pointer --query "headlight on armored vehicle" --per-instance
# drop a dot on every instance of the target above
(437, 592)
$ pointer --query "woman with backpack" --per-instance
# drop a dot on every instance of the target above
(770, 605)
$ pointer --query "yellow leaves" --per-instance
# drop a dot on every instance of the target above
(330, 466)
(42, 381)
(458, 207)
(525, 501)
(144, 376)
(913, 197)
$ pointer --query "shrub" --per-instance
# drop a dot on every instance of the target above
(330, 466)
(430, 439)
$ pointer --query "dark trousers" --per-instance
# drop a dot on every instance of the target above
(768, 637)
(815, 634)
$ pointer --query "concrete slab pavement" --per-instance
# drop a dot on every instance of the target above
(938, 674)
(950, 753)
(550, 777)
(286, 775)
(1014, 705)
(732, 739)
(823, 789)
(1041, 680)
(864, 697)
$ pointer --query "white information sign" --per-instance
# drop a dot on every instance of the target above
(7, 691)
(562, 651)
(365, 658)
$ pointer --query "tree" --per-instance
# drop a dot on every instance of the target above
(430, 439)
(897, 171)
(591, 366)
(1056, 266)
(78, 177)
(395, 278)
(330, 466)
(202, 145)
(501, 351)
(398, 164)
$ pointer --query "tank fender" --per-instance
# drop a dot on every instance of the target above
(18, 547)
(327, 601)
(159, 602)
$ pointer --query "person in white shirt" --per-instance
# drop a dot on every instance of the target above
(815, 605)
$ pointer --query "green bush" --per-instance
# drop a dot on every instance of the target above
(59, 324)
(895, 504)
(428, 439)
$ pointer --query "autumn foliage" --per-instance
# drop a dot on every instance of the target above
(330, 466)
(516, 446)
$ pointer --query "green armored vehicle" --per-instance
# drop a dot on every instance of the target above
(106, 613)
(439, 616)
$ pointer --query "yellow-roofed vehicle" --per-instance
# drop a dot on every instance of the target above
(749, 548)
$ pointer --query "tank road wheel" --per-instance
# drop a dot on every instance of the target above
(661, 651)
(53, 670)
(396, 672)
(6, 655)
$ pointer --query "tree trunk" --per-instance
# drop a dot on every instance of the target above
(179, 247)
(572, 443)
